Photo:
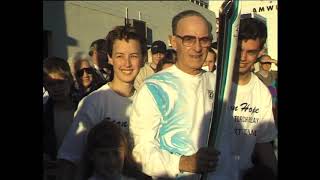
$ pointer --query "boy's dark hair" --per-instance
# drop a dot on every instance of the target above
(103, 135)
(57, 65)
(98, 45)
(188, 13)
(251, 28)
(126, 33)
(106, 135)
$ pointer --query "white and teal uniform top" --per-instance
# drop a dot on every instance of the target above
(170, 118)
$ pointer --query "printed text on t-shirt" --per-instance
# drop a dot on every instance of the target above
(245, 107)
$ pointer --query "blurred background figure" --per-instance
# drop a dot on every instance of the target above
(158, 51)
(169, 59)
(270, 79)
(58, 110)
(99, 57)
(85, 76)
(264, 74)
(210, 62)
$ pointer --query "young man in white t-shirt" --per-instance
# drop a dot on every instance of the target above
(249, 122)
(111, 102)
(171, 112)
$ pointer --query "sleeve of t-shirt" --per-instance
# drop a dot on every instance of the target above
(73, 144)
(144, 126)
(267, 129)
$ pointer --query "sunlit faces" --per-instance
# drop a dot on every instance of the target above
(157, 57)
(190, 59)
(126, 60)
(86, 78)
(108, 162)
(249, 52)
(57, 85)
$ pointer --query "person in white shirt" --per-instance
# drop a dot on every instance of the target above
(171, 112)
(249, 126)
(111, 102)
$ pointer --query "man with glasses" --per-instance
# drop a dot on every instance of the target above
(171, 113)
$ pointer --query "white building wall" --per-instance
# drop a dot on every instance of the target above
(75, 24)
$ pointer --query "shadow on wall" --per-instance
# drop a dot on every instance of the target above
(55, 36)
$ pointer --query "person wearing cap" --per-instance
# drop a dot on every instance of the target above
(270, 79)
(264, 74)
(98, 54)
(158, 50)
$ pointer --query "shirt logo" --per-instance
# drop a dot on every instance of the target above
(211, 94)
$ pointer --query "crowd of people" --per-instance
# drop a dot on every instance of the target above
(108, 114)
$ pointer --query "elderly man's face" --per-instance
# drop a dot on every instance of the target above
(190, 58)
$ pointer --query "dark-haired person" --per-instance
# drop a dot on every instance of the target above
(169, 60)
(107, 151)
(59, 108)
(249, 114)
(98, 53)
(111, 102)
(158, 51)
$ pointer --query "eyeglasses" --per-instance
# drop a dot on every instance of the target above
(191, 40)
(80, 72)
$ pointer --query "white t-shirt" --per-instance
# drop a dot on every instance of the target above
(248, 120)
(170, 117)
(101, 104)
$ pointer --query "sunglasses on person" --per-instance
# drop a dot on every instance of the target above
(189, 41)
(266, 63)
(80, 72)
